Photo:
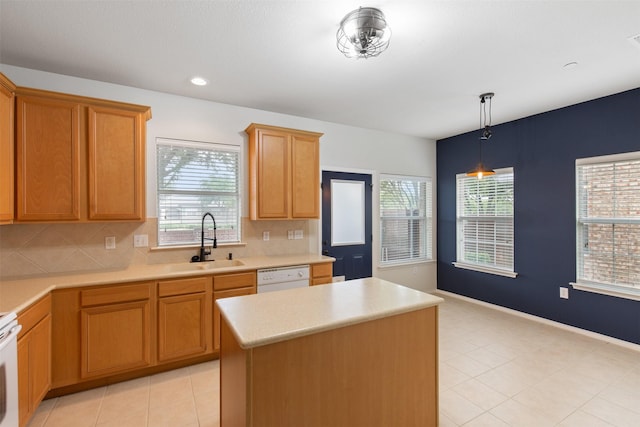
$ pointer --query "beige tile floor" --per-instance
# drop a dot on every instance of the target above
(496, 370)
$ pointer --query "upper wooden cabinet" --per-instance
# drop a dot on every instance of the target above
(116, 164)
(7, 89)
(47, 159)
(284, 173)
(79, 159)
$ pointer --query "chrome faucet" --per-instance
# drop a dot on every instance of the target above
(203, 252)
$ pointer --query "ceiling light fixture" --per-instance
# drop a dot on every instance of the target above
(199, 81)
(363, 33)
(485, 126)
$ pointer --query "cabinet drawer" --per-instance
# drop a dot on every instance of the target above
(232, 281)
(182, 286)
(321, 270)
(115, 294)
(33, 314)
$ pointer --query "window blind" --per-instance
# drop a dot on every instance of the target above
(195, 178)
(608, 220)
(405, 219)
(485, 220)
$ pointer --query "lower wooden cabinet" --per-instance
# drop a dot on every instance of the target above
(216, 312)
(321, 273)
(115, 329)
(115, 338)
(230, 285)
(113, 332)
(34, 358)
(184, 318)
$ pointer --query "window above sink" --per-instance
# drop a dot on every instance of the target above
(194, 178)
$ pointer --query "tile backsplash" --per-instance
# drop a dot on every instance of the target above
(37, 249)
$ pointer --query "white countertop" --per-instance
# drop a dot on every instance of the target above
(16, 295)
(278, 316)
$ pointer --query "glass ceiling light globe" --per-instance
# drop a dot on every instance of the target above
(363, 33)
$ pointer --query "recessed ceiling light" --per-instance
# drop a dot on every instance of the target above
(570, 65)
(199, 81)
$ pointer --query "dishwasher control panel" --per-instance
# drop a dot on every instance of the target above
(283, 274)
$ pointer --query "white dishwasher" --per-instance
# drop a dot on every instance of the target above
(280, 278)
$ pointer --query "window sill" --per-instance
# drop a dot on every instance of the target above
(405, 263)
(484, 269)
(611, 290)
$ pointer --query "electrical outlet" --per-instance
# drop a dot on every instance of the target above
(564, 293)
(265, 235)
(140, 240)
(290, 235)
(298, 234)
(110, 242)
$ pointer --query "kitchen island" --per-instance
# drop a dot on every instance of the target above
(356, 353)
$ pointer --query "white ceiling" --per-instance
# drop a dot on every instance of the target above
(281, 56)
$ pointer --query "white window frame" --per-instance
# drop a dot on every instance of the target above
(426, 233)
(584, 220)
(491, 268)
(220, 222)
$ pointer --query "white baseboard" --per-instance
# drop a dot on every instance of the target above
(601, 337)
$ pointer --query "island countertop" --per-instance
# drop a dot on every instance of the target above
(267, 318)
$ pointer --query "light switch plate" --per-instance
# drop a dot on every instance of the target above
(110, 242)
(290, 235)
(140, 240)
(265, 235)
(564, 293)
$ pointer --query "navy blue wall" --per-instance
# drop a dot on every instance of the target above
(542, 149)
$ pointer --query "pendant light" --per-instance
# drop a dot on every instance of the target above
(485, 126)
(363, 33)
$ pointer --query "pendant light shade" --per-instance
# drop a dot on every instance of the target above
(363, 33)
(485, 126)
(480, 171)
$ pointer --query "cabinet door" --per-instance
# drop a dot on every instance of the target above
(34, 368)
(47, 159)
(40, 361)
(116, 164)
(305, 177)
(6, 150)
(216, 311)
(182, 326)
(115, 338)
(273, 174)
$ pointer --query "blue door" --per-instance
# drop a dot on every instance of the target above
(346, 222)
